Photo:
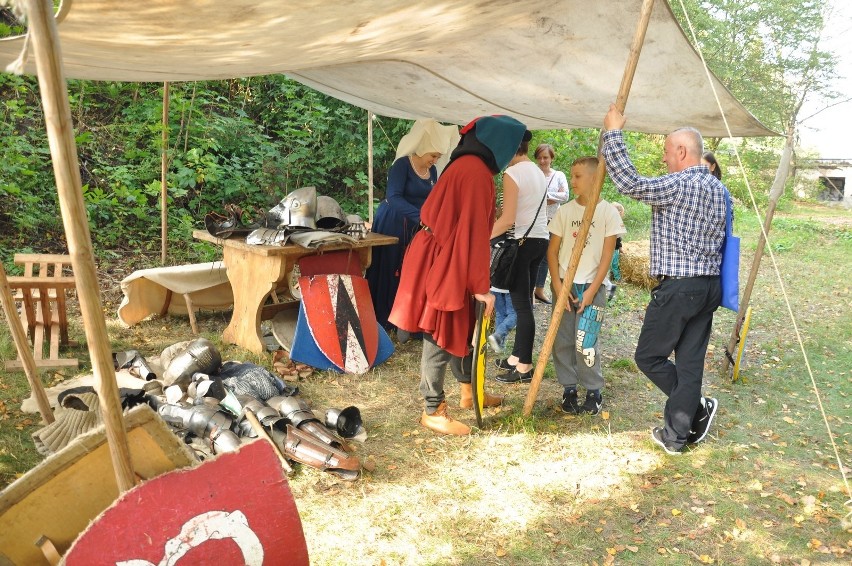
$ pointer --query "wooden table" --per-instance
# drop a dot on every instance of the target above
(256, 271)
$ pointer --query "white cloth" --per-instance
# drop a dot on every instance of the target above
(558, 189)
(145, 290)
(428, 136)
(531, 188)
(606, 222)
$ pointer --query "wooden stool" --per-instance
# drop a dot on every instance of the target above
(41, 296)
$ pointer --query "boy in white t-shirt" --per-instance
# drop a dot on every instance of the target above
(576, 350)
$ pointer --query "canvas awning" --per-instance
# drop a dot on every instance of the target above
(549, 63)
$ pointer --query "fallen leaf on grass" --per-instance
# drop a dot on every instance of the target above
(788, 420)
(676, 512)
(500, 552)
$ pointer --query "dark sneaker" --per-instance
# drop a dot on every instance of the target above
(569, 402)
(503, 363)
(657, 436)
(515, 376)
(593, 403)
(702, 420)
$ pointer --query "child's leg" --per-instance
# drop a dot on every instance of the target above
(499, 313)
(588, 366)
(564, 351)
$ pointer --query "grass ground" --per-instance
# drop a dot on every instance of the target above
(766, 487)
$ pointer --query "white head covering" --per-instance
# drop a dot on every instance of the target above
(428, 136)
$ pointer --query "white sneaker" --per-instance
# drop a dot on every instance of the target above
(495, 345)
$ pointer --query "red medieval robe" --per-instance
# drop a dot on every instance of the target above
(448, 263)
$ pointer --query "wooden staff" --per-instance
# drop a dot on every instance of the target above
(63, 152)
(774, 194)
(582, 233)
(23, 347)
(164, 166)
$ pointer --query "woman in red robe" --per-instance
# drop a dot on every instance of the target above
(447, 264)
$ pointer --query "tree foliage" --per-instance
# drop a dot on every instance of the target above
(250, 141)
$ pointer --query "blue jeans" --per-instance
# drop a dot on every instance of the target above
(504, 315)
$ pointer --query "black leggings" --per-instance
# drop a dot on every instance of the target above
(526, 268)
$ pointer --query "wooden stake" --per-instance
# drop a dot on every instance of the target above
(19, 334)
(582, 233)
(63, 152)
(774, 195)
(164, 166)
(370, 166)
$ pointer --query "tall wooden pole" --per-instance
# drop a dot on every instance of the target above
(370, 164)
(19, 335)
(582, 233)
(63, 152)
(774, 195)
(164, 165)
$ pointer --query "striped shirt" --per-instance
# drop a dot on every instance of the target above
(688, 212)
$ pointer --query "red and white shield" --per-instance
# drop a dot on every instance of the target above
(341, 319)
(234, 509)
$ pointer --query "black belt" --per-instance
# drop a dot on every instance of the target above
(662, 278)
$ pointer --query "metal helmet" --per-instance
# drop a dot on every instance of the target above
(330, 215)
(297, 210)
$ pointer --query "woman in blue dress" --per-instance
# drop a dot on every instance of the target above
(410, 180)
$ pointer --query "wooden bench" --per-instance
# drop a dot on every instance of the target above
(40, 295)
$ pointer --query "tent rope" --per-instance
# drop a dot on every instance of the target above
(814, 385)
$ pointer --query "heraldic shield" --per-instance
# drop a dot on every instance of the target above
(337, 326)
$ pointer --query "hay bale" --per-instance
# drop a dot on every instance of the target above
(635, 263)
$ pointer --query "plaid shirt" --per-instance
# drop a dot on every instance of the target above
(688, 212)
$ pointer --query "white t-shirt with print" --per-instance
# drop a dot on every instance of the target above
(606, 222)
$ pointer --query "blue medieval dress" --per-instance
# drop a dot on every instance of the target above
(398, 215)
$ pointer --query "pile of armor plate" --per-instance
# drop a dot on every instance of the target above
(302, 217)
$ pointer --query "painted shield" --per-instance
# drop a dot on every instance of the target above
(234, 509)
(340, 316)
(304, 349)
(477, 375)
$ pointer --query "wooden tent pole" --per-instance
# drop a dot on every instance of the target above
(63, 152)
(589, 213)
(370, 165)
(164, 165)
(774, 195)
(23, 347)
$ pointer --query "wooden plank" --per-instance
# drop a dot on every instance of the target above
(30, 282)
(58, 363)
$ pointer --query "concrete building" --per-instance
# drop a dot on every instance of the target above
(834, 177)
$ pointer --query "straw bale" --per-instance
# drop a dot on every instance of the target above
(635, 263)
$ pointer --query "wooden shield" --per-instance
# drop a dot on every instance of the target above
(341, 319)
(234, 509)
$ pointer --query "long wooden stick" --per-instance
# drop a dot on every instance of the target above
(774, 195)
(63, 152)
(23, 346)
(164, 166)
(582, 233)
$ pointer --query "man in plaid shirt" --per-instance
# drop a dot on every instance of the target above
(687, 230)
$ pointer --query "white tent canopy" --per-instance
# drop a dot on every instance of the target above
(549, 63)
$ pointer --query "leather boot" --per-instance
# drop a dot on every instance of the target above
(466, 401)
(443, 423)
